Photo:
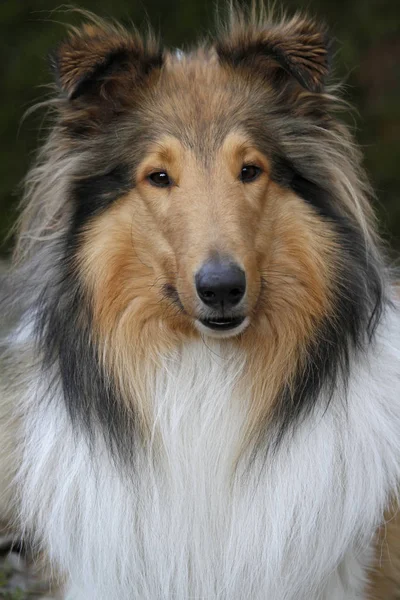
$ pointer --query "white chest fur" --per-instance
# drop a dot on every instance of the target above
(294, 524)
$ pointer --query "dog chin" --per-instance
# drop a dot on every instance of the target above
(221, 333)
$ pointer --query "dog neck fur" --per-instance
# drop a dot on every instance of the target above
(200, 523)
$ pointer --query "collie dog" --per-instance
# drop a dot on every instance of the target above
(201, 391)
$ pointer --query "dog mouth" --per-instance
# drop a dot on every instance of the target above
(222, 324)
(222, 327)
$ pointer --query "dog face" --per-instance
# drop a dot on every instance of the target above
(204, 236)
(210, 241)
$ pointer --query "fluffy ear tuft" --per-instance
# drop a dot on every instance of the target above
(297, 46)
(97, 57)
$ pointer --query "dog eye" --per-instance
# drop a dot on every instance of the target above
(249, 173)
(159, 179)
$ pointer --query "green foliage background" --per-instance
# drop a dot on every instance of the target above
(367, 34)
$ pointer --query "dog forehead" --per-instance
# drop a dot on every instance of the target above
(200, 102)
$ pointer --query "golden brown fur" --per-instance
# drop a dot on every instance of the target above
(385, 576)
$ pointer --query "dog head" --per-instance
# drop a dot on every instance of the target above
(207, 193)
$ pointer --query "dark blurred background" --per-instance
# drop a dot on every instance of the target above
(367, 34)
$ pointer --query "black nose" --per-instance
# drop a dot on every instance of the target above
(221, 284)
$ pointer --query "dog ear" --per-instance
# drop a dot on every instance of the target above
(298, 48)
(99, 61)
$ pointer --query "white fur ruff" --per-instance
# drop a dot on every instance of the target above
(296, 524)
